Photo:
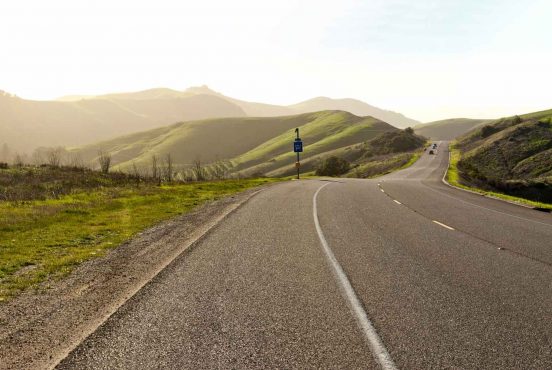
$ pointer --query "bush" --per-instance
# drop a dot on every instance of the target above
(3, 165)
(333, 166)
(487, 131)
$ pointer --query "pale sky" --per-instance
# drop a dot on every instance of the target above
(428, 59)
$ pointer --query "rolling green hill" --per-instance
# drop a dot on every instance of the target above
(331, 130)
(448, 129)
(251, 145)
(512, 155)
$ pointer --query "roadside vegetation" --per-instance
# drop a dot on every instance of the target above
(509, 158)
(456, 178)
(53, 218)
(385, 153)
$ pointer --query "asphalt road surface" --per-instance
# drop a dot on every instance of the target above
(397, 272)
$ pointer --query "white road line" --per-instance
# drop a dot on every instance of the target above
(374, 341)
(445, 226)
(396, 201)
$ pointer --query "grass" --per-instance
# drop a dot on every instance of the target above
(412, 160)
(326, 132)
(453, 178)
(46, 239)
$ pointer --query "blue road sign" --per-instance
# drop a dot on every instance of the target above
(297, 146)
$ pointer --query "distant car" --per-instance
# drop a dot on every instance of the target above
(431, 152)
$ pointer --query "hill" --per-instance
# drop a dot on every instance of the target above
(355, 107)
(330, 131)
(512, 155)
(80, 120)
(27, 124)
(249, 145)
(448, 129)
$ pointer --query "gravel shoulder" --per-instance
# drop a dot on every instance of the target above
(39, 328)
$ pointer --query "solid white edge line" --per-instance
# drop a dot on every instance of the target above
(442, 224)
(396, 201)
(376, 345)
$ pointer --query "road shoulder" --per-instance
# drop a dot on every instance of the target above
(39, 328)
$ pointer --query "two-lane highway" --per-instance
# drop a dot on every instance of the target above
(401, 271)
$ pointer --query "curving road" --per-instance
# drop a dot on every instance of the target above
(396, 272)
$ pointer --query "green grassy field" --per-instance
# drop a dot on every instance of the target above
(45, 239)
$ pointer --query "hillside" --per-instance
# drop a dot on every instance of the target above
(512, 155)
(448, 129)
(79, 120)
(27, 124)
(355, 107)
(252, 145)
(330, 131)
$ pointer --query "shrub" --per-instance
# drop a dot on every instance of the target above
(333, 166)
(487, 131)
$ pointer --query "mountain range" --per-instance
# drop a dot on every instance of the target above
(79, 120)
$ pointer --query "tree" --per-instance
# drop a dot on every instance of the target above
(36, 157)
(104, 159)
(333, 166)
(54, 156)
(19, 160)
(198, 170)
(409, 130)
(168, 168)
(154, 167)
(75, 161)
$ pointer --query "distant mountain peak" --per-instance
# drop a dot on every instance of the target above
(203, 89)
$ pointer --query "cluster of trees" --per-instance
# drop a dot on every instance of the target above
(55, 157)
(160, 168)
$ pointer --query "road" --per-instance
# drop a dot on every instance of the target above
(396, 272)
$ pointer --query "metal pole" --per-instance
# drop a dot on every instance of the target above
(297, 163)
(297, 166)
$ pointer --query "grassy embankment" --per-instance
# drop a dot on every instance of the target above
(50, 226)
(387, 153)
(454, 178)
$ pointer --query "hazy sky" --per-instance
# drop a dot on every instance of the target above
(428, 59)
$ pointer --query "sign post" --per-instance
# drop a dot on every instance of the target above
(297, 148)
